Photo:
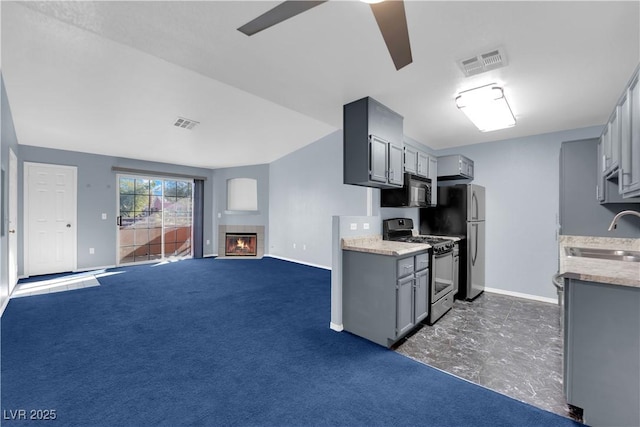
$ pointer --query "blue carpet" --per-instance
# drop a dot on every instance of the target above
(222, 342)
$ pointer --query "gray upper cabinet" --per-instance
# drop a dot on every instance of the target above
(373, 147)
(395, 168)
(619, 150)
(423, 164)
(410, 159)
(455, 167)
(630, 140)
(379, 159)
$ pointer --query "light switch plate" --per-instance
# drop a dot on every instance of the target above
(353, 226)
(104, 216)
(365, 225)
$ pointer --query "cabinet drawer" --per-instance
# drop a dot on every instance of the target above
(422, 262)
(405, 266)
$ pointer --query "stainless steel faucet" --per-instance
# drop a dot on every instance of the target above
(614, 224)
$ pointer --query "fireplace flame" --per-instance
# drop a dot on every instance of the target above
(240, 244)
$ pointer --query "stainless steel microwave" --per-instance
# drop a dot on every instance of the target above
(415, 193)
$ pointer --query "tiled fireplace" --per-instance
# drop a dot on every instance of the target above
(241, 241)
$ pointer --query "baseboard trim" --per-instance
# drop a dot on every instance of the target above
(521, 295)
(337, 328)
(84, 269)
(209, 256)
(310, 264)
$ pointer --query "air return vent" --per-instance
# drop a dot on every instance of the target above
(181, 122)
(491, 60)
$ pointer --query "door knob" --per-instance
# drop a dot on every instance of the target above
(68, 225)
(12, 231)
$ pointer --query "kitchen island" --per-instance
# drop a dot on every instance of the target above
(602, 331)
(385, 287)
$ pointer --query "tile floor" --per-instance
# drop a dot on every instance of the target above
(62, 283)
(510, 345)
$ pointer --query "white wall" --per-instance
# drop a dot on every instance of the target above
(522, 178)
(8, 139)
(305, 192)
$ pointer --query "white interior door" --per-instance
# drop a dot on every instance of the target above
(13, 220)
(50, 218)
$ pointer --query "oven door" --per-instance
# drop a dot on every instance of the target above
(442, 275)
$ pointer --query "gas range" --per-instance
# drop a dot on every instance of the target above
(439, 244)
(401, 230)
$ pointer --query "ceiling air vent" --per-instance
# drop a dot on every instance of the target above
(483, 62)
(181, 122)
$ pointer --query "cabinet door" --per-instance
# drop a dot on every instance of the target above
(395, 165)
(423, 164)
(606, 149)
(410, 160)
(433, 176)
(625, 144)
(378, 159)
(600, 177)
(614, 139)
(633, 189)
(404, 305)
(421, 296)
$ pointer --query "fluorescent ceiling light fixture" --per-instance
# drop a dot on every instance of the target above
(371, 1)
(486, 107)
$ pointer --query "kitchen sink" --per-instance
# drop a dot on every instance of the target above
(611, 254)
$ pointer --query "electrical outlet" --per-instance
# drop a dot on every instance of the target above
(104, 216)
(219, 215)
(365, 226)
(304, 247)
(208, 242)
(353, 226)
(294, 246)
(92, 251)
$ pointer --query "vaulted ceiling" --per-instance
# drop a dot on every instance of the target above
(112, 77)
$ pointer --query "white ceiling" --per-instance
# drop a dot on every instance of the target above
(111, 77)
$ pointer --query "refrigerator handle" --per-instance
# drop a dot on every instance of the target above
(475, 244)
(474, 204)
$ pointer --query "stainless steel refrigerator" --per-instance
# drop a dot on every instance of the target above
(461, 212)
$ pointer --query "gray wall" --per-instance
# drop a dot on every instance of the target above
(522, 181)
(97, 189)
(305, 191)
(580, 213)
(8, 140)
(220, 217)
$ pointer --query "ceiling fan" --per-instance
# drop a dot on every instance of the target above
(389, 15)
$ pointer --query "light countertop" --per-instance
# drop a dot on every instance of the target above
(375, 245)
(622, 273)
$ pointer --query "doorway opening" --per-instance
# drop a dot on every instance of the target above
(155, 218)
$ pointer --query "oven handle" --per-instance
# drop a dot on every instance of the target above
(442, 254)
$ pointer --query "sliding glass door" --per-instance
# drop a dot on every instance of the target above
(155, 218)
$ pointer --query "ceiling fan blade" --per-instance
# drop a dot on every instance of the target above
(281, 12)
(392, 22)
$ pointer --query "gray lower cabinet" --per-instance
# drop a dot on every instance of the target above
(602, 352)
(384, 297)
